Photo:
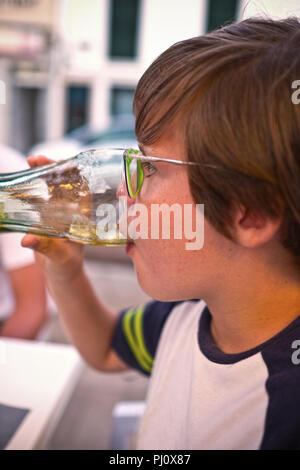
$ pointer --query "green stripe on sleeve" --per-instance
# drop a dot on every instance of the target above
(138, 328)
(134, 337)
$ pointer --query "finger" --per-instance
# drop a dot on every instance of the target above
(37, 243)
(43, 160)
(38, 160)
(31, 161)
(29, 241)
(54, 249)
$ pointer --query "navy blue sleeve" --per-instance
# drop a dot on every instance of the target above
(138, 331)
(282, 425)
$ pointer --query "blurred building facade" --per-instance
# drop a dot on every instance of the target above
(66, 63)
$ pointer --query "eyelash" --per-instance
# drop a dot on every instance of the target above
(148, 166)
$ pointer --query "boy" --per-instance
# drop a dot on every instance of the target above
(224, 369)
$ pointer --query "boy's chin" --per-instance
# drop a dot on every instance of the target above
(158, 291)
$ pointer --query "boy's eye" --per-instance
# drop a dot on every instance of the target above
(149, 168)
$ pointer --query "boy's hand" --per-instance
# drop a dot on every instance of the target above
(59, 258)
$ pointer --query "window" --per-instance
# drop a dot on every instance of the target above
(121, 100)
(220, 12)
(28, 117)
(77, 106)
(123, 28)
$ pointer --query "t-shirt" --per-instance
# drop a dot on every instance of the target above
(201, 398)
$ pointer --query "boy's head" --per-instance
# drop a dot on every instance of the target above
(227, 97)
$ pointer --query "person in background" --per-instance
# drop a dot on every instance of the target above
(23, 306)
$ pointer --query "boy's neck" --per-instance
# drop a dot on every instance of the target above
(243, 319)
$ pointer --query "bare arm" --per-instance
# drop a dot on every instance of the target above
(88, 323)
(30, 314)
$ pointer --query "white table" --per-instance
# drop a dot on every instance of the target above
(41, 377)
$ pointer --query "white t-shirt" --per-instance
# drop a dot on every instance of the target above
(202, 398)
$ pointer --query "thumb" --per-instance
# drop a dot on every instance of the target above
(54, 248)
(40, 244)
(37, 243)
(30, 241)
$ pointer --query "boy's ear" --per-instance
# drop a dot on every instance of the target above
(252, 229)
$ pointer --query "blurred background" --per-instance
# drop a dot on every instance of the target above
(70, 67)
(68, 71)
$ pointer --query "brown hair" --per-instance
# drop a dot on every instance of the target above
(232, 90)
